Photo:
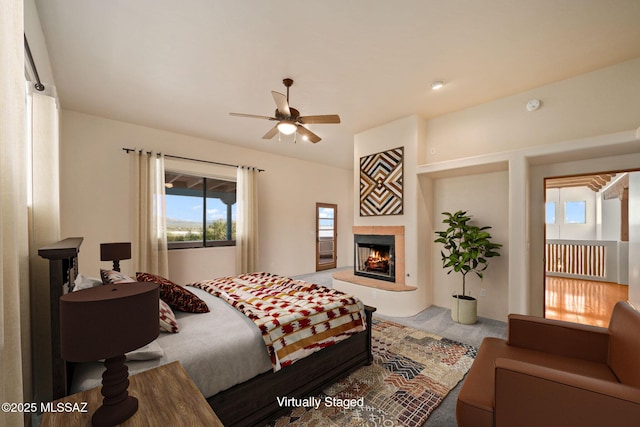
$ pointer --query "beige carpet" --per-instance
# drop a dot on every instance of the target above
(412, 372)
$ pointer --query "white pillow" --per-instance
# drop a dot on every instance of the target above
(150, 351)
(111, 277)
(84, 282)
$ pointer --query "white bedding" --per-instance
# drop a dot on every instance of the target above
(218, 350)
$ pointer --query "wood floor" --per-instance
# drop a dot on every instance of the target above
(582, 301)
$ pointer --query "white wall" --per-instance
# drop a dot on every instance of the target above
(562, 230)
(485, 198)
(407, 132)
(596, 103)
(603, 216)
(611, 210)
(96, 198)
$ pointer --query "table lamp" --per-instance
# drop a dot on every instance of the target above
(115, 252)
(106, 322)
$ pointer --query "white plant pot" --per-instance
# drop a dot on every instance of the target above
(464, 309)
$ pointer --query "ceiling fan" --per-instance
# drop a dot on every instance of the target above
(289, 119)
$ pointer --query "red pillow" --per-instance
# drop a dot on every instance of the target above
(176, 296)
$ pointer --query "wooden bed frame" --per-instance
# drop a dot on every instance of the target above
(250, 403)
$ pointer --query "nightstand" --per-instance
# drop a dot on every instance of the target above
(166, 397)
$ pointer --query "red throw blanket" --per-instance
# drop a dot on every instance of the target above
(296, 318)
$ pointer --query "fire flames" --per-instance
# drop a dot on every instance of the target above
(377, 262)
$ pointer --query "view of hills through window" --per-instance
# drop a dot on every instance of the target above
(189, 210)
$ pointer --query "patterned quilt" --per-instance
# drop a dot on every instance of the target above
(295, 318)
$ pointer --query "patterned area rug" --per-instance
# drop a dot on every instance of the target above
(411, 374)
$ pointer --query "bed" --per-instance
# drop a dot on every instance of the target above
(234, 372)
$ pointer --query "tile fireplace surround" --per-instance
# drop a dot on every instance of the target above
(398, 232)
(390, 299)
(399, 285)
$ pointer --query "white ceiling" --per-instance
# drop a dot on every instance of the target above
(184, 65)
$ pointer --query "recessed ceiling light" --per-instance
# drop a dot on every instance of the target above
(437, 85)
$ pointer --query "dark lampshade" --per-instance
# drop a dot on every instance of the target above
(106, 322)
(115, 252)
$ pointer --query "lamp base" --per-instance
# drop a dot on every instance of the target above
(117, 405)
(109, 416)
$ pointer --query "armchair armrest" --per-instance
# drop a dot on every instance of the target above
(559, 337)
(532, 395)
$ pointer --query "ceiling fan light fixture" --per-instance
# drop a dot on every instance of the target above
(287, 128)
(289, 121)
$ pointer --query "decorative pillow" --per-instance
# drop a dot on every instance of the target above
(175, 295)
(150, 351)
(84, 282)
(111, 277)
(168, 322)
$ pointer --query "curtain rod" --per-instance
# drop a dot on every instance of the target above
(193, 160)
(38, 85)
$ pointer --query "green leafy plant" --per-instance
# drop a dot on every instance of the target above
(467, 247)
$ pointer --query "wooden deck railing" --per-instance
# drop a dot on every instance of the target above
(577, 258)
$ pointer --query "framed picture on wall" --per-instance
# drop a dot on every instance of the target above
(381, 183)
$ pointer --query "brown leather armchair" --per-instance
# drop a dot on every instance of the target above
(555, 373)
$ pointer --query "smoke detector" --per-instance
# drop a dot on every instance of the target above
(533, 104)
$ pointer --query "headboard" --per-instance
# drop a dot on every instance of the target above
(63, 269)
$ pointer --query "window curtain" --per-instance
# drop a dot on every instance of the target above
(43, 199)
(246, 220)
(14, 264)
(149, 245)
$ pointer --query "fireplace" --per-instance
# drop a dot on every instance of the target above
(374, 256)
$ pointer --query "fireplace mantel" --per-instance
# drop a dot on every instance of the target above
(349, 277)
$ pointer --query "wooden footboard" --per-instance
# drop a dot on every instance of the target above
(254, 402)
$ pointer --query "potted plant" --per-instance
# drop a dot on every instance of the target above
(467, 249)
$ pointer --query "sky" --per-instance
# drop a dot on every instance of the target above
(574, 212)
(190, 208)
(187, 208)
(326, 222)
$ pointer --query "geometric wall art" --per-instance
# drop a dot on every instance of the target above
(381, 183)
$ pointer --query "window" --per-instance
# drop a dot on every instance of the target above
(200, 211)
(550, 213)
(575, 212)
(326, 236)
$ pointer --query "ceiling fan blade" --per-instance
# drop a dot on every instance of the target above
(328, 118)
(252, 116)
(306, 133)
(281, 103)
(272, 132)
